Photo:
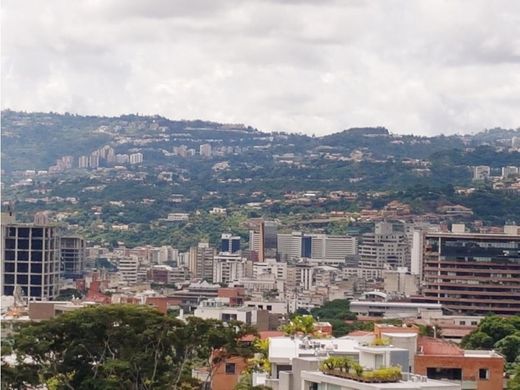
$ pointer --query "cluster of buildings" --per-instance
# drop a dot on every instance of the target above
(419, 273)
(207, 150)
(295, 362)
(397, 268)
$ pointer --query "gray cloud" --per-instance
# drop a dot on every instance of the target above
(419, 67)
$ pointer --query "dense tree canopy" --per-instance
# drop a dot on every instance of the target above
(116, 347)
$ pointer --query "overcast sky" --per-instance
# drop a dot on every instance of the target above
(423, 67)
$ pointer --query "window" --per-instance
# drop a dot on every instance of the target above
(483, 373)
(269, 307)
(22, 267)
(463, 322)
(444, 373)
(230, 368)
(474, 323)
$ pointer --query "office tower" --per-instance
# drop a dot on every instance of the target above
(30, 260)
(470, 272)
(294, 245)
(205, 150)
(270, 238)
(201, 261)
(230, 243)
(72, 251)
(256, 240)
(332, 247)
(316, 246)
(386, 247)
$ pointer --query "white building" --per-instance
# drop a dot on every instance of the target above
(481, 172)
(228, 267)
(136, 158)
(386, 247)
(128, 267)
(332, 247)
(509, 171)
(205, 150)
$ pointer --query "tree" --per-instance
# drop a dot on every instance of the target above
(509, 346)
(115, 347)
(300, 324)
(514, 381)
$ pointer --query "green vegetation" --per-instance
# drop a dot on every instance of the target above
(349, 368)
(304, 324)
(503, 335)
(117, 347)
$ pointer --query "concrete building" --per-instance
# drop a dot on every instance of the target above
(135, 158)
(256, 241)
(294, 245)
(509, 171)
(201, 262)
(471, 272)
(319, 380)
(386, 247)
(205, 150)
(441, 360)
(228, 267)
(400, 282)
(128, 267)
(392, 309)
(481, 172)
(72, 250)
(325, 246)
(229, 243)
(30, 260)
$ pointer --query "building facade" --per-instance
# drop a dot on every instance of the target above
(30, 260)
(470, 272)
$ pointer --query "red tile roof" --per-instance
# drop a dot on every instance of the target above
(431, 346)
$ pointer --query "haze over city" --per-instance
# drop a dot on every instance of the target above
(426, 68)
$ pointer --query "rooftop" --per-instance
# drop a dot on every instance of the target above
(409, 382)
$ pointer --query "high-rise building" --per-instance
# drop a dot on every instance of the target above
(94, 159)
(230, 243)
(228, 267)
(294, 245)
(509, 171)
(83, 162)
(315, 246)
(205, 150)
(128, 268)
(201, 261)
(30, 260)
(270, 238)
(470, 272)
(333, 247)
(136, 158)
(72, 252)
(481, 172)
(256, 241)
(385, 248)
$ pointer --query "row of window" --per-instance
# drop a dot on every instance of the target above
(37, 244)
(26, 232)
(24, 279)
(24, 267)
(26, 255)
(32, 291)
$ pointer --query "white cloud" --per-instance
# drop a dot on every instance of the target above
(420, 67)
